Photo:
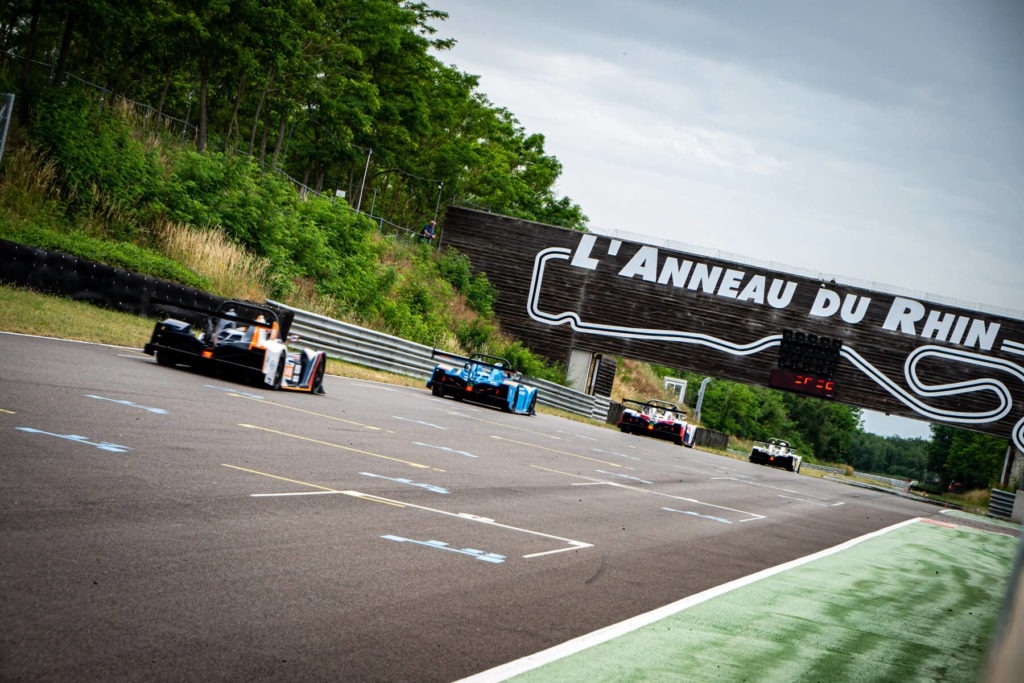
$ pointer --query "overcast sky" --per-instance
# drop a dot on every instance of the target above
(878, 142)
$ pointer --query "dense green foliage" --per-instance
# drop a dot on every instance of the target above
(891, 455)
(824, 431)
(967, 460)
(328, 91)
(401, 287)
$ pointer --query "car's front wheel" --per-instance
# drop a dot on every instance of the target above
(166, 358)
(317, 387)
(279, 373)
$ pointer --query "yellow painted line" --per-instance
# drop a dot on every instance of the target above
(354, 494)
(274, 476)
(569, 474)
(555, 450)
(344, 448)
(307, 412)
(9, 412)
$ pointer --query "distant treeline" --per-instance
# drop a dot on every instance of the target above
(342, 95)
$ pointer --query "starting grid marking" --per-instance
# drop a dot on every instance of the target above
(813, 500)
(481, 555)
(400, 480)
(419, 422)
(697, 514)
(750, 516)
(102, 445)
(130, 404)
(446, 449)
(570, 543)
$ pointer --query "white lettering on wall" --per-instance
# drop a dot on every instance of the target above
(582, 259)
(644, 263)
(904, 314)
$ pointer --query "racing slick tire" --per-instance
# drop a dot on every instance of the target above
(279, 373)
(166, 358)
(436, 389)
(317, 387)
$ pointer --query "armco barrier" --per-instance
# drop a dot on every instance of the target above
(57, 273)
(1001, 504)
(354, 344)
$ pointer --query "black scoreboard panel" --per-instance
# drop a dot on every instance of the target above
(560, 289)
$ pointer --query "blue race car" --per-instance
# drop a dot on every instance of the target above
(484, 379)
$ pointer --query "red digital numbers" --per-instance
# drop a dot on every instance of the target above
(815, 382)
(802, 383)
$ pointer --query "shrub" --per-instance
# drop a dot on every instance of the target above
(110, 178)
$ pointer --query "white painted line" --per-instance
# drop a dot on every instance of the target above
(573, 545)
(295, 493)
(530, 662)
(419, 422)
(474, 518)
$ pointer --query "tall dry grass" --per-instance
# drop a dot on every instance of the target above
(29, 180)
(233, 272)
(638, 381)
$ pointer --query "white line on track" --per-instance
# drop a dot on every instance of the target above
(538, 659)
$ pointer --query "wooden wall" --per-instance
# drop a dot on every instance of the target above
(900, 353)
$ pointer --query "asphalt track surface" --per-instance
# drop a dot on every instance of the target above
(159, 524)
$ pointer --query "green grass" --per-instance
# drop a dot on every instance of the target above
(29, 312)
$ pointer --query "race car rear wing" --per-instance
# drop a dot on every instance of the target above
(250, 312)
(461, 360)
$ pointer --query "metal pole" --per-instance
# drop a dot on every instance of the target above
(700, 397)
(362, 186)
(437, 207)
(188, 112)
(5, 116)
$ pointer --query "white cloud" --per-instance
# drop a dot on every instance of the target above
(879, 143)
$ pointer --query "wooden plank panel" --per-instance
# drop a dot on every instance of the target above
(901, 354)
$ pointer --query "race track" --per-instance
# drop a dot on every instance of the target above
(160, 524)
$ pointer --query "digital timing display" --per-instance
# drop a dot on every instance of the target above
(802, 383)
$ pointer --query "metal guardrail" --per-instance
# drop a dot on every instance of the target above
(362, 346)
(1001, 504)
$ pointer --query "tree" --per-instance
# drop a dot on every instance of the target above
(970, 459)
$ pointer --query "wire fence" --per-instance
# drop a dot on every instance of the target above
(184, 131)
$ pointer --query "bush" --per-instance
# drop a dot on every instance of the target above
(479, 292)
(109, 177)
(119, 254)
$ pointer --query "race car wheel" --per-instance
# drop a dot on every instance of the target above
(166, 358)
(436, 389)
(279, 373)
(317, 387)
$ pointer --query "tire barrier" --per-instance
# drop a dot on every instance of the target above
(120, 290)
(57, 273)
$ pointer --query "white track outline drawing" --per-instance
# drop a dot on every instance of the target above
(913, 400)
